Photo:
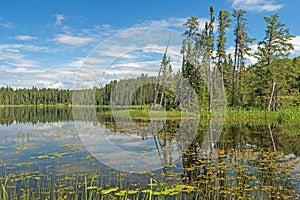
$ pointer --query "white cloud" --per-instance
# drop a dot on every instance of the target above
(98, 33)
(21, 62)
(256, 5)
(12, 50)
(25, 37)
(164, 23)
(5, 24)
(18, 71)
(74, 64)
(132, 53)
(253, 60)
(135, 69)
(12, 57)
(114, 50)
(50, 84)
(20, 77)
(296, 43)
(249, 59)
(129, 54)
(173, 22)
(73, 40)
(58, 19)
(104, 26)
(17, 47)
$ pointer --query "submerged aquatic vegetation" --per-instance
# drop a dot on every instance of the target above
(221, 174)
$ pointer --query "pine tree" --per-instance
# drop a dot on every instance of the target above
(191, 50)
(241, 49)
(276, 44)
(224, 23)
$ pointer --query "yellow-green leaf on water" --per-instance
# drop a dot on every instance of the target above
(21, 147)
(147, 191)
(56, 154)
(92, 188)
(24, 164)
(133, 191)
(45, 156)
(109, 190)
(165, 192)
(3, 147)
(121, 193)
(181, 187)
(174, 193)
(156, 193)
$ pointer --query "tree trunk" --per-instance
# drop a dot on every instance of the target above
(272, 94)
(161, 98)
(272, 138)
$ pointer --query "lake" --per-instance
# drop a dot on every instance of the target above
(48, 153)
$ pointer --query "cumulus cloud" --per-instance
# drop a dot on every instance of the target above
(5, 24)
(12, 50)
(17, 47)
(12, 58)
(249, 59)
(296, 43)
(20, 77)
(51, 84)
(18, 71)
(253, 60)
(25, 37)
(136, 50)
(58, 19)
(257, 5)
(73, 40)
(163, 23)
(172, 22)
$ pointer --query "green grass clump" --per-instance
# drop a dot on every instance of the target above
(291, 116)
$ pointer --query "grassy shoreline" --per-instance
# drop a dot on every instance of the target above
(143, 112)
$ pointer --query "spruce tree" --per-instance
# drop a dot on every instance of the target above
(241, 49)
(224, 23)
(276, 44)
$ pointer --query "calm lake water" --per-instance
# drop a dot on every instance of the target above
(49, 140)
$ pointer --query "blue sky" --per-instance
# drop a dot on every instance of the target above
(45, 43)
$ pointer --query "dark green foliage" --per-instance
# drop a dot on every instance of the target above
(241, 50)
(273, 74)
(34, 96)
(224, 23)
